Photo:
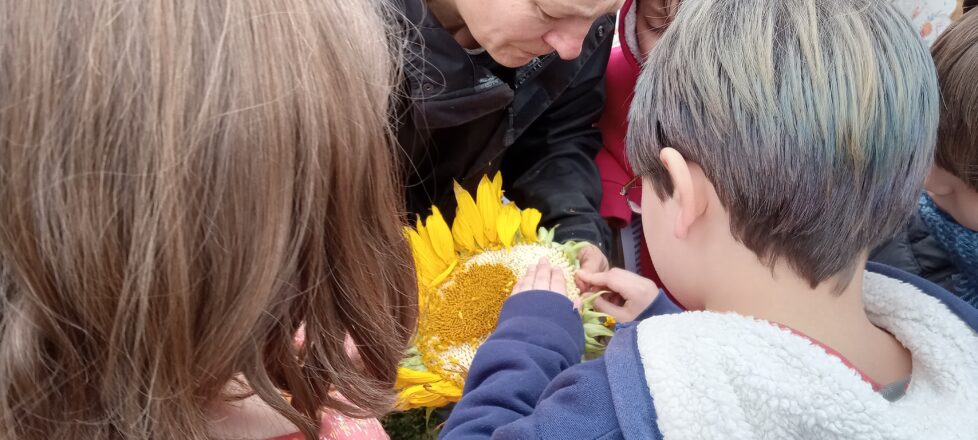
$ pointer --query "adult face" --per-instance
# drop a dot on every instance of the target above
(515, 31)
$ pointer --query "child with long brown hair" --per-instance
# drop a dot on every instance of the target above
(183, 185)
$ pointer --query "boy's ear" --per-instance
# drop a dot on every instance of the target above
(689, 190)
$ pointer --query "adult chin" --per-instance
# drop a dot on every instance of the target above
(512, 57)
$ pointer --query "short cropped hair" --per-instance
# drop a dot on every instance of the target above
(956, 56)
(815, 120)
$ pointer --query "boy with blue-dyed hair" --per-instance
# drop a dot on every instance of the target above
(778, 142)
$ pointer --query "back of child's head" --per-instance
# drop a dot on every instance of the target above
(956, 57)
(814, 120)
(183, 184)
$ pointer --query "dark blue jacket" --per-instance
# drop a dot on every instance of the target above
(527, 381)
(916, 250)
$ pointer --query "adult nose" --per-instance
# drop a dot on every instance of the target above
(567, 37)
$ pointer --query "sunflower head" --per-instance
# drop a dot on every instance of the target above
(465, 273)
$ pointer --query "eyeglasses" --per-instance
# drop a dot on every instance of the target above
(632, 183)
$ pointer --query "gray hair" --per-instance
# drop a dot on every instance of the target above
(815, 121)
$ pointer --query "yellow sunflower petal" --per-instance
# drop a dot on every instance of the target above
(441, 237)
(407, 377)
(422, 231)
(489, 202)
(418, 396)
(424, 389)
(464, 241)
(446, 389)
(529, 224)
(423, 293)
(508, 223)
(497, 185)
(467, 227)
(427, 262)
(444, 275)
(428, 248)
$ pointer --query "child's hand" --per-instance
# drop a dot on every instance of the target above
(592, 260)
(628, 294)
(542, 277)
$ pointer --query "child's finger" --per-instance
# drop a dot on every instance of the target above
(519, 286)
(604, 306)
(557, 281)
(614, 298)
(591, 279)
(617, 280)
(582, 286)
(526, 283)
(541, 278)
(579, 280)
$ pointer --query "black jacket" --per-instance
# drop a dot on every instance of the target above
(464, 116)
(915, 250)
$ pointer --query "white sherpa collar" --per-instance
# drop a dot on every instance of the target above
(725, 376)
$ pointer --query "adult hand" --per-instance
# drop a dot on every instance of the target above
(627, 296)
(542, 276)
(592, 260)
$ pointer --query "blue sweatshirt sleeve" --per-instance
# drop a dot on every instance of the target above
(526, 381)
(661, 305)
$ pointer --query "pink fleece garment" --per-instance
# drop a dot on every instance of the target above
(621, 76)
